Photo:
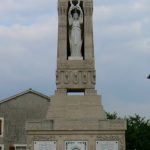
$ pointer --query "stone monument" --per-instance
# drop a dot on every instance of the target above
(75, 121)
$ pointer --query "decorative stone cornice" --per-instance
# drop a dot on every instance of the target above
(39, 125)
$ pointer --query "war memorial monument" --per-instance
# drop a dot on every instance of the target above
(75, 121)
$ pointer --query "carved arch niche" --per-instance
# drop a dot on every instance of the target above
(82, 28)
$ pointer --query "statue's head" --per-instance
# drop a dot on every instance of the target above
(75, 16)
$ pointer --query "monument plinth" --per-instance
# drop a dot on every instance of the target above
(76, 122)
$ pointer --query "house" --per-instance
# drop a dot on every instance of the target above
(14, 112)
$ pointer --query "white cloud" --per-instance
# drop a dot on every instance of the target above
(27, 52)
(122, 50)
(25, 11)
(121, 30)
(28, 6)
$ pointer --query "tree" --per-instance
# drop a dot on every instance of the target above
(111, 116)
(138, 132)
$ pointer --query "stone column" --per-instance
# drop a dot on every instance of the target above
(62, 31)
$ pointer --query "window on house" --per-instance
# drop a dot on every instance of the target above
(1, 127)
(1, 147)
(20, 147)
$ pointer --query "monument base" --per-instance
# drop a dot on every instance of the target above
(76, 123)
(106, 135)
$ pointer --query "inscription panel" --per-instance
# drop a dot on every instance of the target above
(44, 145)
(76, 145)
(106, 145)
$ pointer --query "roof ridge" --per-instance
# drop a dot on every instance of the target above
(23, 93)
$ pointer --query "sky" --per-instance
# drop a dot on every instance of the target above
(28, 48)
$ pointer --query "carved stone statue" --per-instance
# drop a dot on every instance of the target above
(75, 37)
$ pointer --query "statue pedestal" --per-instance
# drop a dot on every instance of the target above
(75, 58)
(65, 107)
